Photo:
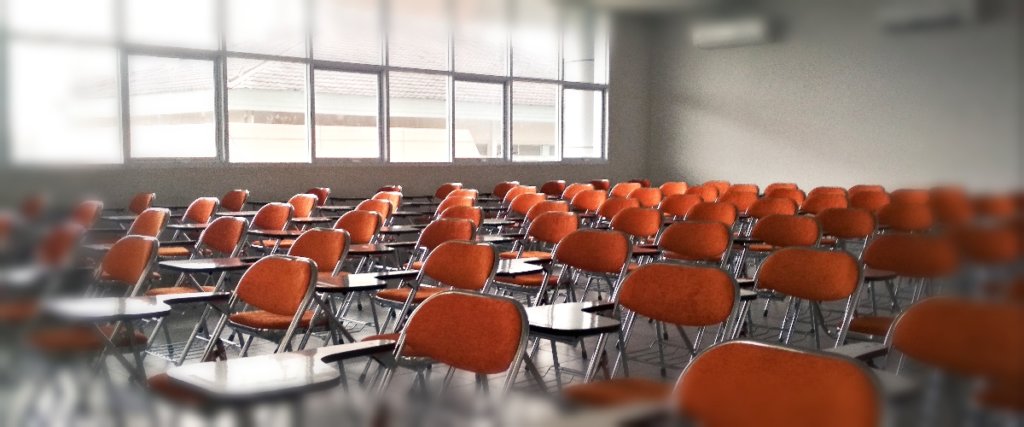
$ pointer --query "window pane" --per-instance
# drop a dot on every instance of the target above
(535, 39)
(347, 30)
(179, 23)
(346, 115)
(479, 128)
(418, 118)
(67, 107)
(585, 44)
(481, 37)
(419, 34)
(63, 17)
(266, 111)
(273, 27)
(534, 122)
(171, 108)
(582, 123)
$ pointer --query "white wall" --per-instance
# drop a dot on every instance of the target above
(175, 184)
(839, 101)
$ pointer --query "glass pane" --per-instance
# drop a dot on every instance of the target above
(535, 39)
(419, 34)
(179, 23)
(266, 111)
(585, 44)
(582, 123)
(347, 30)
(346, 115)
(418, 118)
(534, 122)
(67, 105)
(78, 18)
(481, 37)
(479, 128)
(273, 27)
(171, 108)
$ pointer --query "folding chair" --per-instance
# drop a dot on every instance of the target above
(744, 188)
(611, 207)
(706, 193)
(150, 222)
(669, 294)
(87, 213)
(640, 224)
(795, 194)
(869, 200)
(672, 188)
(780, 185)
(125, 267)
(553, 188)
(676, 206)
(844, 226)
(644, 182)
(911, 196)
(906, 218)
(951, 208)
(596, 254)
(328, 249)
(793, 387)
(864, 188)
(774, 232)
(517, 191)
(575, 188)
(601, 184)
(363, 228)
(520, 205)
(764, 207)
(200, 210)
(436, 233)
(816, 203)
(452, 202)
(272, 216)
(544, 231)
(834, 191)
(648, 197)
(464, 192)
(384, 208)
(544, 207)
(474, 214)
(742, 200)
(995, 207)
(588, 201)
(303, 205)
(501, 188)
(321, 193)
(445, 189)
(623, 189)
(234, 200)
(724, 213)
(720, 186)
(394, 197)
(140, 202)
(223, 238)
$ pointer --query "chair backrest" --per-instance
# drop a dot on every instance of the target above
(391, 187)
(951, 208)
(835, 191)
(483, 334)
(87, 213)
(995, 206)
(772, 206)
(546, 206)
(589, 200)
(384, 208)
(640, 223)
(815, 203)
(473, 214)
(745, 188)
(614, 205)
(906, 217)
(327, 247)
(234, 200)
(33, 206)
(446, 188)
(648, 197)
(594, 251)
(719, 185)
(129, 260)
(872, 201)
(678, 205)
(273, 216)
(200, 210)
(445, 230)
(150, 222)
(848, 223)
(911, 196)
(810, 273)
(672, 188)
(705, 192)
(644, 182)
(394, 197)
(788, 387)
(362, 226)
(464, 192)
(303, 204)
(279, 284)
(224, 235)
(502, 187)
(462, 265)
(522, 203)
(623, 189)
(864, 188)
(989, 244)
(141, 202)
(57, 247)
(454, 201)
(517, 191)
(778, 185)
(787, 230)
(321, 193)
(697, 241)
(575, 188)
(552, 227)
(553, 188)
(795, 194)
(712, 211)
(601, 184)
(912, 255)
(742, 200)
(683, 295)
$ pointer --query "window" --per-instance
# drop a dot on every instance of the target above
(419, 34)
(66, 98)
(481, 37)
(479, 123)
(585, 41)
(534, 122)
(418, 117)
(583, 123)
(178, 23)
(266, 112)
(172, 108)
(272, 27)
(75, 18)
(535, 39)
(346, 115)
(347, 30)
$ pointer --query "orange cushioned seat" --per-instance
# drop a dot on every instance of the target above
(871, 325)
(81, 339)
(260, 319)
(176, 290)
(618, 392)
(526, 254)
(174, 251)
(401, 294)
(532, 280)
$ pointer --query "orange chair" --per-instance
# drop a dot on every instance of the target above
(437, 233)
(588, 200)
(502, 187)
(989, 246)
(793, 387)
(303, 205)
(200, 210)
(673, 188)
(384, 208)
(325, 246)
(864, 188)
(742, 200)
(744, 188)
(545, 207)
(675, 207)
(553, 188)
(813, 275)
(870, 201)
(362, 226)
(720, 186)
(816, 203)
(648, 197)
(910, 196)
(951, 207)
(473, 214)
(223, 238)
(545, 231)
(679, 295)
(391, 196)
(575, 188)
(703, 242)
(771, 206)
(705, 192)
(391, 187)
(126, 266)
(57, 247)
(906, 218)
(644, 182)
(613, 206)
(602, 255)
(150, 222)
(141, 202)
(87, 213)
(780, 185)
(846, 225)
(724, 213)
(794, 194)
(623, 189)
(33, 207)
(517, 191)
(273, 216)
(835, 191)
(446, 189)
(640, 224)
(464, 192)
(234, 200)
(521, 204)
(774, 232)
(995, 207)
(601, 184)
(322, 194)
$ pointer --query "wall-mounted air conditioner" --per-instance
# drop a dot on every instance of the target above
(731, 32)
(902, 15)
